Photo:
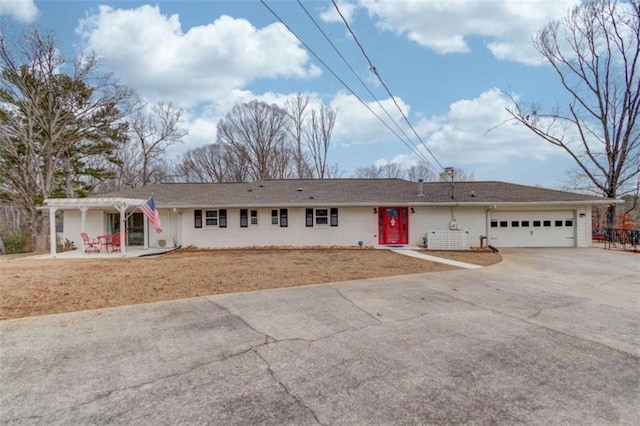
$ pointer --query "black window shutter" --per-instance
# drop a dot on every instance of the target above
(309, 214)
(243, 218)
(222, 218)
(197, 218)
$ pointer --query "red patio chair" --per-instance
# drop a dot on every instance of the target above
(90, 245)
(115, 242)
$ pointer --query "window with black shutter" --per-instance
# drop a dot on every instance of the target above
(197, 218)
(244, 220)
(222, 216)
(309, 215)
(334, 217)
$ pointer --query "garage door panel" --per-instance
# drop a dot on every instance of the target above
(532, 229)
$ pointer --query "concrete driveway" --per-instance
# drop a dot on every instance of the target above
(546, 336)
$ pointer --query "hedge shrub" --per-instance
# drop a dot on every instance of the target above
(16, 241)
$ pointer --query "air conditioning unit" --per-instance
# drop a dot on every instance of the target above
(453, 225)
(164, 242)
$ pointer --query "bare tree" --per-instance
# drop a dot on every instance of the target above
(595, 52)
(255, 135)
(296, 109)
(238, 169)
(152, 131)
(368, 172)
(456, 175)
(55, 114)
(203, 164)
(412, 173)
(318, 138)
(392, 171)
(386, 171)
(334, 171)
(420, 171)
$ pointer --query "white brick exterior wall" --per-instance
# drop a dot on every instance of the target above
(354, 224)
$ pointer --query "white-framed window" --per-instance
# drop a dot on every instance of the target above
(279, 217)
(211, 218)
(322, 216)
(248, 217)
(215, 218)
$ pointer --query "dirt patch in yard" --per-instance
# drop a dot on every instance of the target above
(31, 286)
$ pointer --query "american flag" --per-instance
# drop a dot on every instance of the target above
(150, 211)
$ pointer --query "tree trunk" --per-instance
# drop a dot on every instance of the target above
(39, 231)
(611, 210)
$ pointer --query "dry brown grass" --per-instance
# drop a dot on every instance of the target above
(44, 286)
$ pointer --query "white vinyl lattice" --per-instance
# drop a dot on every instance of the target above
(448, 240)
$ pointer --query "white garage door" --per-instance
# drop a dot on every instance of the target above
(533, 229)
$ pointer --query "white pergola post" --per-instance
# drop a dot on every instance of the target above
(145, 224)
(123, 225)
(83, 217)
(52, 230)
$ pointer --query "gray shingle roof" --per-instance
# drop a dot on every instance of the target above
(314, 192)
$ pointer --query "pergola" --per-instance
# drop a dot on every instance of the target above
(85, 204)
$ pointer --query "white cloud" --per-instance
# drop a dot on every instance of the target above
(202, 130)
(478, 131)
(475, 133)
(20, 10)
(150, 52)
(355, 124)
(330, 14)
(445, 25)
(404, 160)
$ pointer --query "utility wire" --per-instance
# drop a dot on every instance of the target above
(375, 71)
(415, 150)
(335, 75)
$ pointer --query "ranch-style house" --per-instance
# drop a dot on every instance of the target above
(334, 213)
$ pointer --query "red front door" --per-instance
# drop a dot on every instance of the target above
(393, 225)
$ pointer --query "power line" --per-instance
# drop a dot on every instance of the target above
(415, 150)
(375, 71)
(336, 76)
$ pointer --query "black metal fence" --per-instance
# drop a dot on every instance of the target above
(628, 239)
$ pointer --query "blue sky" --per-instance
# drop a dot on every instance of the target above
(448, 63)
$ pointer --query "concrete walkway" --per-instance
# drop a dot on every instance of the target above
(547, 336)
(423, 256)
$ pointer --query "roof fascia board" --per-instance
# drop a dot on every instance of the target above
(73, 203)
(399, 203)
